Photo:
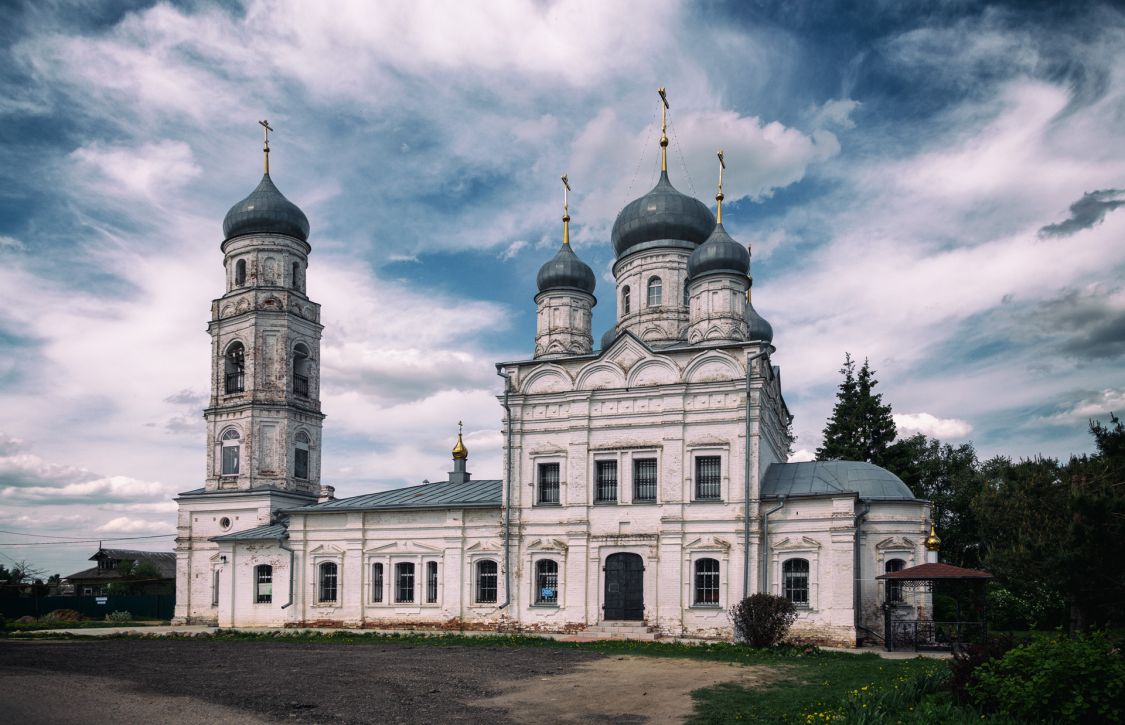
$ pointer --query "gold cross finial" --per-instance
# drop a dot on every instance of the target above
(266, 128)
(663, 128)
(566, 209)
(719, 197)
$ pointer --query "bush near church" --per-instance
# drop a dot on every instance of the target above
(762, 620)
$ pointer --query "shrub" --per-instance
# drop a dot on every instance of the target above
(62, 615)
(966, 662)
(762, 620)
(1081, 679)
(119, 617)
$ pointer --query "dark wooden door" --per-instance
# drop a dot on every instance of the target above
(624, 587)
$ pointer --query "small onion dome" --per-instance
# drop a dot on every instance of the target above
(757, 328)
(718, 255)
(933, 543)
(460, 452)
(566, 271)
(266, 210)
(609, 337)
(662, 213)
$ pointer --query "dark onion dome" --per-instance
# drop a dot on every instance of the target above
(566, 271)
(757, 328)
(718, 255)
(662, 213)
(266, 210)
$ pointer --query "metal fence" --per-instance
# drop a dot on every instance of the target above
(141, 606)
(924, 634)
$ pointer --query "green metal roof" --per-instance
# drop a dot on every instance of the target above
(444, 494)
(832, 478)
(258, 533)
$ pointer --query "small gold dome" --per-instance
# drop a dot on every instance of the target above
(933, 543)
(460, 452)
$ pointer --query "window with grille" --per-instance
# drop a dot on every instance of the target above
(431, 582)
(326, 582)
(546, 581)
(894, 588)
(548, 483)
(404, 582)
(707, 582)
(486, 581)
(605, 489)
(795, 581)
(655, 291)
(708, 478)
(263, 584)
(376, 582)
(644, 479)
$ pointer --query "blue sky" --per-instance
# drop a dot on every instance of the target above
(934, 186)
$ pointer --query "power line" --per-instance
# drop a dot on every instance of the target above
(80, 541)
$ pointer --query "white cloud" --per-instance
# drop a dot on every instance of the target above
(143, 171)
(127, 525)
(513, 249)
(930, 425)
(801, 455)
(10, 244)
(1096, 405)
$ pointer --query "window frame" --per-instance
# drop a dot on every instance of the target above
(378, 582)
(706, 586)
(542, 579)
(403, 569)
(626, 300)
(327, 582)
(259, 596)
(540, 467)
(432, 582)
(893, 592)
(302, 442)
(654, 288)
(789, 580)
(480, 589)
(698, 461)
(637, 462)
(230, 440)
(606, 491)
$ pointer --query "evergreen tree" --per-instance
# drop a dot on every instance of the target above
(861, 427)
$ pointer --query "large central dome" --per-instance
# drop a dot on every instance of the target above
(662, 213)
(267, 211)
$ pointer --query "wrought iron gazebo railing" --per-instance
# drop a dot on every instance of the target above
(926, 634)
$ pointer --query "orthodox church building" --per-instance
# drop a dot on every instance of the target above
(644, 489)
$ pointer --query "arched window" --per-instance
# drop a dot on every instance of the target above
(547, 582)
(240, 272)
(301, 456)
(687, 296)
(231, 446)
(263, 584)
(655, 291)
(626, 295)
(234, 367)
(431, 582)
(326, 582)
(301, 370)
(404, 582)
(376, 583)
(894, 588)
(707, 583)
(795, 581)
(486, 581)
(295, 277)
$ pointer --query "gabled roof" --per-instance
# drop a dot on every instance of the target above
(258, 533)
(164, 561)
(470, 494)
(832, 478)
(936, 571)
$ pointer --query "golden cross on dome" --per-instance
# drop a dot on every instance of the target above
(663, 128)
(719, 197)
(566, 209)
(266, 128)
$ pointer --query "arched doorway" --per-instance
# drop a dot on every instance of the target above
(624, 587)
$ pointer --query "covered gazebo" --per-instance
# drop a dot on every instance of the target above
(922, 633)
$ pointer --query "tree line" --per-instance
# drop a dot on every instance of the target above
(1046, 529)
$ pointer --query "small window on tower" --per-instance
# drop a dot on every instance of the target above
(234, 367)
(240, 272)
(230, 448)
(625, 299)
(301, 456)
(296, 276)
(301, 370)
(655, 291)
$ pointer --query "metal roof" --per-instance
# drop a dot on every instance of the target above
(443, 494)
(258, 533)
(935, 571)
(718, 255)
(565, 271)
(266, 210)
(164, 561)
(661, 214)
(828, 478)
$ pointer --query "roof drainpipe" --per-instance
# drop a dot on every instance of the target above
(507, 492)
(857, 598)
(746, 480)
(766, 545)
(292, 572)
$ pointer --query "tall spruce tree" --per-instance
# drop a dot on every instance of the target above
(861, 427)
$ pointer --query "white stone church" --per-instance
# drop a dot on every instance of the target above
(644, 490)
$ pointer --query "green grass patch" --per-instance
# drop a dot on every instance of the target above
(77, 624)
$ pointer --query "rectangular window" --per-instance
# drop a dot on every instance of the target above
(431, 582)
(548, 483)
(230, 460)
(606, 477)
(644, 479)
(708, 478)
(707, 582)
(795, 581)
(264, 584)
(215, 588)
(326, 590)
(301, 463)
(376, 583)
(404, 582)
(486, 581)
(546, 582)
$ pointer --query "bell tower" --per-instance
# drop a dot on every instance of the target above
(264, 419)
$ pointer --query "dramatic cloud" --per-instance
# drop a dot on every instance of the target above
(1086, 212)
